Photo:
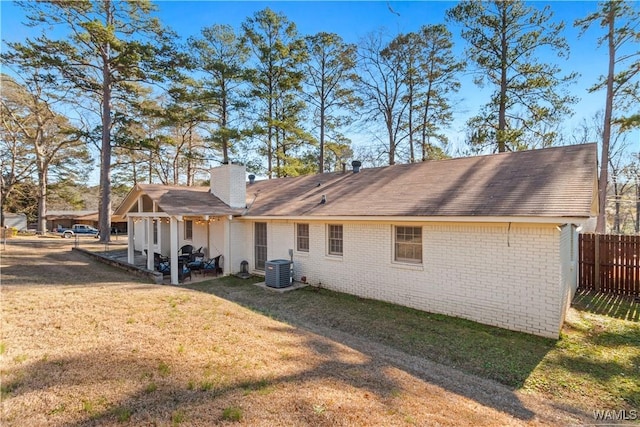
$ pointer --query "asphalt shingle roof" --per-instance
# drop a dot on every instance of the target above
(182, 200)
(551, 182)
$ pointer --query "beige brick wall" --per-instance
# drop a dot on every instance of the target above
(228, 183)
(501, 275)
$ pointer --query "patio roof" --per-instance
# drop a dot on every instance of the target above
(178, 200)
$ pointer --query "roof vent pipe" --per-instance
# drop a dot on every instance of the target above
(252, 179)
(356, 166)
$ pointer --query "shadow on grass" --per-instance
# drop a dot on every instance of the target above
(599, 353)
(615, 382)
(606, 304)
(413, 338)
(159, 396)
(54, 262)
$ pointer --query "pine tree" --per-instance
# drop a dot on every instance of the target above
(48, 140)
(279, 54)
(329, 84)
(620, 21)
(381, 84)
(221, 55)
(110, 46)
(505, 40)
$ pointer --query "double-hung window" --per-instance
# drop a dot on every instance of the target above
(335, 239)
(408, 244)
(302, 237)
(188, 229)
(155, 231)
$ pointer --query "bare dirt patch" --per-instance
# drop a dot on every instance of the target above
(86, 344)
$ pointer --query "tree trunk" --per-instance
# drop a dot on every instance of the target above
(104, 212)
(190, 158)
(42, 200)
(425, 119)
(616, 215)
(2, 193)
(412, 154)
(41, 165)
(606, 132)
(270, 113)
(150, 163)
(174, 165)
(502, 112)
(134, 172)
(392, 143)
(637, 221)
(223, 125)
(322, 118)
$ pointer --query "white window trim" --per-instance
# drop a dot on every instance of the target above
(188, 238)
(406, 262)
(305, 252)
(328, 238)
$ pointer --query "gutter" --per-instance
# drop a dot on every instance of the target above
(466, 219)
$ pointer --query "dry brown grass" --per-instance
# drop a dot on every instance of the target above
(86, 344)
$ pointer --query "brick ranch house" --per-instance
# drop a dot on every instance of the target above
(489, 238)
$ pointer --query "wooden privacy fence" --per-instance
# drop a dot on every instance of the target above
(609, 263)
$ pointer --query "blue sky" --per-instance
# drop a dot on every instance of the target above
(354, 19)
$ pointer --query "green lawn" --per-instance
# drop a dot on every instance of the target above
(597, 358)
(595, 363)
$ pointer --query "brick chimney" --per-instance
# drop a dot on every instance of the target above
(228, 183)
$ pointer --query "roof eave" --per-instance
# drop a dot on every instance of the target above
(128, 201)
(466, 219)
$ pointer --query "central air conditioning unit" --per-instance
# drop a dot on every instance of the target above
(278, 273)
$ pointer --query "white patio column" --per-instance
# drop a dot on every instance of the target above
(131, 246)
(173, 238)
(149, 243)
(227, 245)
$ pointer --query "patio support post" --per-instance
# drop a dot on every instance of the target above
(150, 244)
(173, 238)
(227, 246)
(130, 241)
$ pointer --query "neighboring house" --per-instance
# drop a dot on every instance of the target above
(488, 238)
(66, 219)
(15, 220)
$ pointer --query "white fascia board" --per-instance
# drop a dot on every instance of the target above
(468, 219)
(147, 215)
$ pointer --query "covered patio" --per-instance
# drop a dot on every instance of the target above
(163, 219)
(140, 261)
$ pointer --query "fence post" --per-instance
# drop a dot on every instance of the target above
(596, 262)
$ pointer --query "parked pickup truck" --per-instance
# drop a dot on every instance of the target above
(79, 229)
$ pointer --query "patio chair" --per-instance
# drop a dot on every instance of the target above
(213, 266)
(183, 272)
(196, 261)
(159, 259)
(164, 267)
(197, 255)
(184, 253)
